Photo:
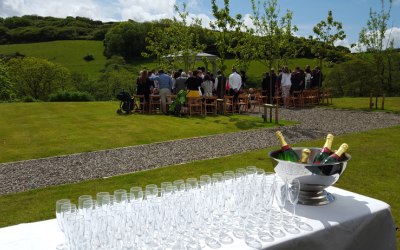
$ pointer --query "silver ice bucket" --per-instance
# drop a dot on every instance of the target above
(314, 178)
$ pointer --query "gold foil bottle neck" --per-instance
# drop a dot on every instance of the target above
(281, 138)
(305, 154)
(342, 149)
(328, 142)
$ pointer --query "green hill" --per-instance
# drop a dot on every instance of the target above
(67, 53)
(70, 54)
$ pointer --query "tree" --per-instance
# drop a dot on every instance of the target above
(6, 85)
(158, 42)
(221, 27)
(242, 45)
(187, 43)
(126, 39)
(37, 78)
(175, 41)
(116, 77)
(372, 39)
(272, 35)
(352, 78)
(327, 32)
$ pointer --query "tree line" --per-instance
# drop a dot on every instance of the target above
(131, 35)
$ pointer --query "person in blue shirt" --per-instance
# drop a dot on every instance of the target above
(165, 88)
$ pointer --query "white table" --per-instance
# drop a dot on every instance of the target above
(352, 221)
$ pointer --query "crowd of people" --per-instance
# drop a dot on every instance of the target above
(202, 83)
(286, 82)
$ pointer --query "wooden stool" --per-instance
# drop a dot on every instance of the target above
(270, 107)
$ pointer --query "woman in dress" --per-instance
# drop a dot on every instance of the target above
(144, 86)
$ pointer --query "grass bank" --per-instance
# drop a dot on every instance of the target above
(67, 53)
(35, 130)
(392, 104)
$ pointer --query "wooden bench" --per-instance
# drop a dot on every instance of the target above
(267, 106)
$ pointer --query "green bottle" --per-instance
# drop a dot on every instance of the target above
(287, 153)
(335, 156)
(325, 151)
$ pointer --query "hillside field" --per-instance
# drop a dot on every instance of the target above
(67, 53)
(70, 54)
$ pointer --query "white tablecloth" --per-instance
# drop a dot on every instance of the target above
(351, 222)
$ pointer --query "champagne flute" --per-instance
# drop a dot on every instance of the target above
(293, 195)
(82, 199)
(281, 195)
(121, 197)
(136, 194)
(59, 204)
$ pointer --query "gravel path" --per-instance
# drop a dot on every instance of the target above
(314, 124)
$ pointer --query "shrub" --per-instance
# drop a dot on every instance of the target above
(71, 96)
(29, 99)
(88, 58)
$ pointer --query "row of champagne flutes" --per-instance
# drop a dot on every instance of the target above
(183, 214)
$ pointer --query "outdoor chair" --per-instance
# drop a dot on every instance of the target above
(243, 103)
(255, 100)
(277, 99)
(141, 106)
(210, 105)
(155, 103)
(195, 105)
(228, 104)
(310, 97)
(296, 99)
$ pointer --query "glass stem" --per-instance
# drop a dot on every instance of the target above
(294, 212)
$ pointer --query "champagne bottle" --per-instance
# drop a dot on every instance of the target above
(335, 156)
(287, 153)
(305, 153)
(325, 151)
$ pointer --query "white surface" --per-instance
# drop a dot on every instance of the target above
(352, 221)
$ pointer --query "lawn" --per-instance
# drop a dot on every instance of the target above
(392, 104)
(35, 130)
(67, 53)
(372, 171)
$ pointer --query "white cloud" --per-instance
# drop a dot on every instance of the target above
(248, 22)
(205, 20)
(343, 42)
(144, 10)
(105, 10)
(392, 34)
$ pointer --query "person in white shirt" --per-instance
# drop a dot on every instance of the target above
(286, 83)
(235, 82)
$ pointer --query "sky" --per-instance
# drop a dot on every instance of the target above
(306, 13)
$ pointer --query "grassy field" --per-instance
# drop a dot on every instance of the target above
(392, 104)
(35, 130)
(71, 53)
(67, 53)
(375, 175)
